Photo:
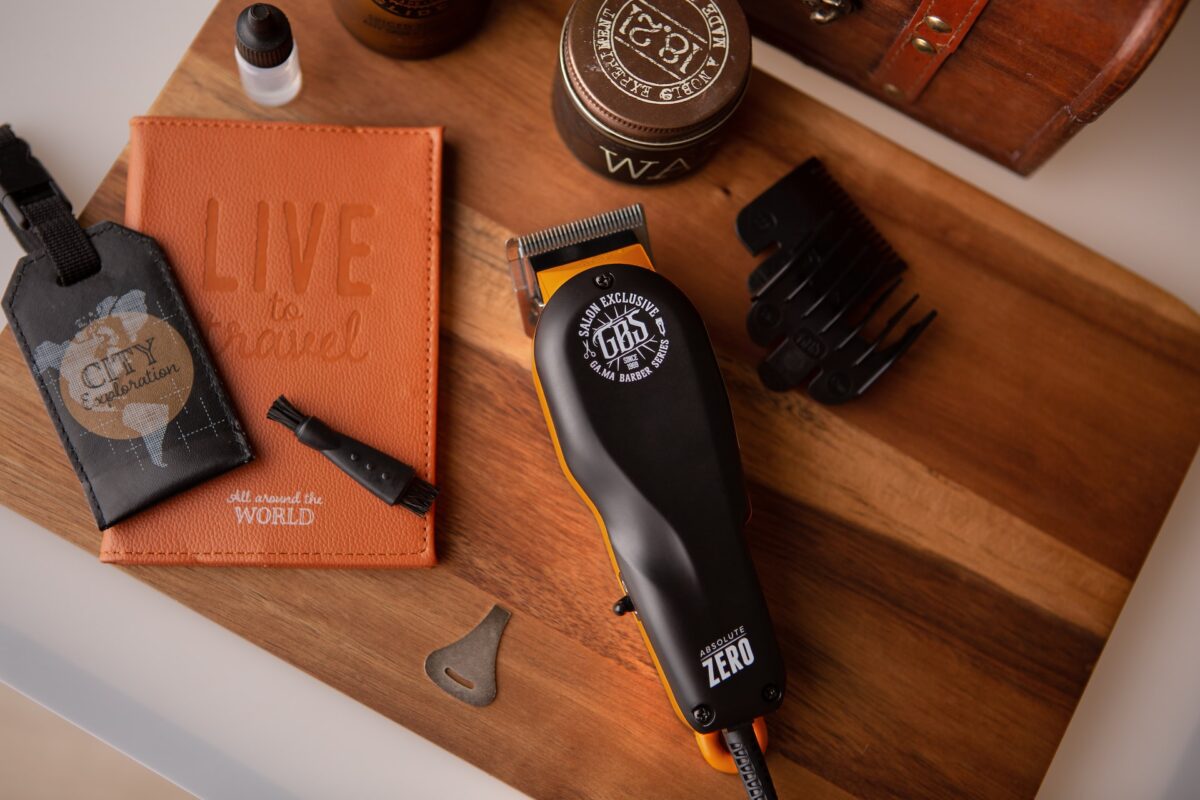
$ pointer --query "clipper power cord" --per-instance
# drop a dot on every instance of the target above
(639, 416)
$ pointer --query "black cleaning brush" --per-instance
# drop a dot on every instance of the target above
(389, 479)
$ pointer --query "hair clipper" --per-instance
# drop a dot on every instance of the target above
(641, 421)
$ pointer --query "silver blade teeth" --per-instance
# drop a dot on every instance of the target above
(581, 230)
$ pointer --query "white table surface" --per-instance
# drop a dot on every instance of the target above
(223, 718)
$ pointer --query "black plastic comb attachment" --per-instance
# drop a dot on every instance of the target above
(829, 262)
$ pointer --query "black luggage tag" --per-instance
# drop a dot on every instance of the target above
(119, 363)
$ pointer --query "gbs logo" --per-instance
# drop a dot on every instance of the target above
(621, 336)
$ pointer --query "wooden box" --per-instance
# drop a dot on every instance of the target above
(1011, 79)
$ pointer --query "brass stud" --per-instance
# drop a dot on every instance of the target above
(891, 89)
(923, 45)
(938, 24)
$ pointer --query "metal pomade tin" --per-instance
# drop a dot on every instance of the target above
(643, 89)
(410, 28)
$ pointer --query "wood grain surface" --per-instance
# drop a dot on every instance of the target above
(944, 559)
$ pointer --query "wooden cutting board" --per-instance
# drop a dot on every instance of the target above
(944, 559)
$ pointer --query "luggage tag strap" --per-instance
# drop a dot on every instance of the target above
(39, 214)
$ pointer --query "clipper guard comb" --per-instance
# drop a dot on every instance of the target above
(813, 298)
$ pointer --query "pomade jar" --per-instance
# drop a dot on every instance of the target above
(410, 28)
(643, 90)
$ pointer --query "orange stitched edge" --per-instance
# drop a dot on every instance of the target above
(430, 369)
(244, 553)
(296, 126)
(429, 366)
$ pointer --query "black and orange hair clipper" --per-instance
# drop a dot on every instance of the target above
(639, 415)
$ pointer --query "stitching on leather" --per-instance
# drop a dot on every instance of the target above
(47, 398)
(429, 364)
(243, 553)
(937, 58)
(294, 126)
(945, 49)
(905, 35)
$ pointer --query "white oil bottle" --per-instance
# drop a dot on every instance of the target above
(266, 55)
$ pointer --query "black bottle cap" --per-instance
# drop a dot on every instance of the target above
(264, 36)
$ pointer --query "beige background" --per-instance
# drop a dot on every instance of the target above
(44, 757)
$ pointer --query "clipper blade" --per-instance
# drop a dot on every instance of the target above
(629, 218)
(567, 242)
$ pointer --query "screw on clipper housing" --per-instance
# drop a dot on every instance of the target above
(813, 298)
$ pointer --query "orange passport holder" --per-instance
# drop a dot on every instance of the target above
(309, 257)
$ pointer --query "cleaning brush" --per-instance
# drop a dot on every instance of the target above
(388, 478)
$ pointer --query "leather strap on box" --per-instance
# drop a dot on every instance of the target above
(933, 33)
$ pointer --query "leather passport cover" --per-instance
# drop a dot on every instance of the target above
(309, 257)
